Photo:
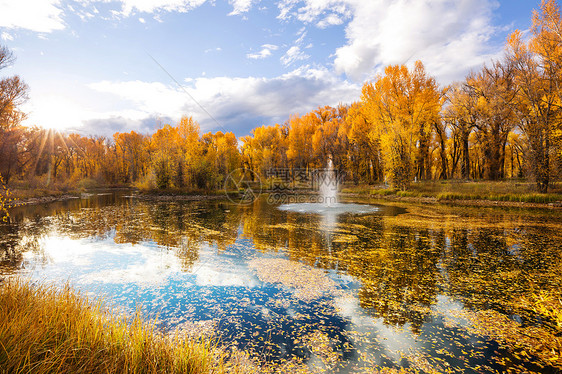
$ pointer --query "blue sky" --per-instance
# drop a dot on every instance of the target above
(99, 66)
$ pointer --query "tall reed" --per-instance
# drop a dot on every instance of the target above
(45, 329)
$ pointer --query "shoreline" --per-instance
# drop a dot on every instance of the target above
(162, 197)
(41, 200)
(459, 202)
(152, 196)
(171, 197)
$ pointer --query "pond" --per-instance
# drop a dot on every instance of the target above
(427, 287)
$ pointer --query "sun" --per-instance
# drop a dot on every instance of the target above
(55, 113)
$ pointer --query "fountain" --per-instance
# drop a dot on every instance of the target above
(327, 201)
(328, 185)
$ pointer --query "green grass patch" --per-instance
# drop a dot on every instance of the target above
(409, 194)
(525, 198)
(368, 190)
(512, 191)
(383, 192)
(50, 330)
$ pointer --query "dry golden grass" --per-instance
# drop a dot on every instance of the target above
(44, 329)
(513, 191)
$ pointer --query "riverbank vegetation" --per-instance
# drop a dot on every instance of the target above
(51, 330)
(447, 190)
(502, 122)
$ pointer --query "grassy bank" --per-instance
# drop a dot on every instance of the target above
(48, 330)
(42, 187)
(508, 191)
(455, 190)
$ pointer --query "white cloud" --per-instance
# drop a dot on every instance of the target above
(75, 114)
(263, 53)
(141, 264)
(47, 15)
(238, 104)
(394, 341)
(302, 34)
(449, 36)
(330, 20)
(240, 6)
(217, 49)
(285, 7)
(295, 53)
(144, 98)
(35, 15)
(314, 9)
(151, 6)
(6, 36)
(292, 55)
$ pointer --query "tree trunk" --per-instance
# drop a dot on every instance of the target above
(465, 165)
(442, 153)
(422, 157)
(492, 154)
(543, 163)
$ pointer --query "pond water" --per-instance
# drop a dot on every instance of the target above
(430, 288)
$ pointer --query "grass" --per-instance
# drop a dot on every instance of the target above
(44, 329)
(514, 186)
(42, 186)
(19, 194)
(368, 190)
(171, 191)
(528, 197)
(513, 191)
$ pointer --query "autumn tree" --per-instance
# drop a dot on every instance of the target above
(187, 164)
(13, 93)
(131, 155)
(300, 153)
(221, 156)
(403, 106)
(167, 155)
(265, 148)
(462, 116)
(514, 155)
(328, 141)
(496, 91)
(364, 158)
(537, 66)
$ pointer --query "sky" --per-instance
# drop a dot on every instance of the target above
(96, 67)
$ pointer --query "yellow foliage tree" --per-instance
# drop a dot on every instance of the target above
(402, 106)
(538, 73)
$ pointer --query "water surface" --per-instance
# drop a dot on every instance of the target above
(394, 286)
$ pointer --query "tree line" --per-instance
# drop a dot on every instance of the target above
(172, 157)
(503, 121)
